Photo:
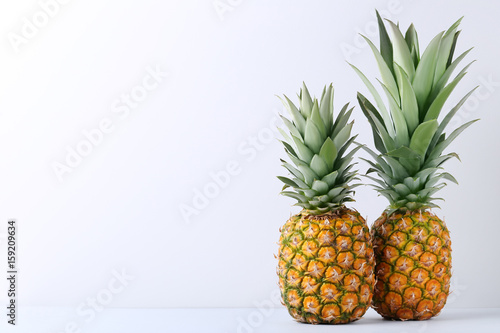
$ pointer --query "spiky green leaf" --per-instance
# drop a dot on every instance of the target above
(422, 137)
(424, 73)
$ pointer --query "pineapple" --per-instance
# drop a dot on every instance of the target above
(326, 260)
(412, 245)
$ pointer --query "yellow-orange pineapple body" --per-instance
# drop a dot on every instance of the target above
(326, 267)
(413, 256)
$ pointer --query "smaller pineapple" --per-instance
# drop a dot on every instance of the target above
(326, 259)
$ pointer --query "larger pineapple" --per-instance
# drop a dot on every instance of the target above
(326, 259)
(412, 245)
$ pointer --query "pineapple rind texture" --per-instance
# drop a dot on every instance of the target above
(326, 267)
(413, 265)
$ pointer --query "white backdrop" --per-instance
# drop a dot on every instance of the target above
(175, 93)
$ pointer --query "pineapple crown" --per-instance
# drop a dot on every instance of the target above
(317, 144)
(406, 132)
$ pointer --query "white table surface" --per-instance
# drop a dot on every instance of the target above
(240, 320)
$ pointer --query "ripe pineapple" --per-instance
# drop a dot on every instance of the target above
(326, 260)
(412, 245)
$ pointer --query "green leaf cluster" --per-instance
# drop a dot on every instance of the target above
(317, 144)
(408, 131)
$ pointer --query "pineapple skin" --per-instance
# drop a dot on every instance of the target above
(326, 267)
(413, 265)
